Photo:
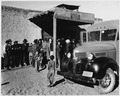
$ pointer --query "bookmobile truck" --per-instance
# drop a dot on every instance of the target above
(96, 61)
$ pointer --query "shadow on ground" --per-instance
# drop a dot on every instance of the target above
(73, 82)
(5, 83)
(58, 82)
(16, 68)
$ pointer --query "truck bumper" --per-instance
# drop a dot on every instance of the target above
(77, 77)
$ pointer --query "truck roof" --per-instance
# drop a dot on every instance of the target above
(104, 25)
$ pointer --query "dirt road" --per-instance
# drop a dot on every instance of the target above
(27, 81)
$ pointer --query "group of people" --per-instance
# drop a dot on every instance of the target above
(63, 48)
(15, 54)
(37, 54)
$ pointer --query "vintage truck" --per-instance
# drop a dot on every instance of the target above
(96, 61)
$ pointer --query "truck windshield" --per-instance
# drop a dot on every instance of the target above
(94, 36)
(108, 35)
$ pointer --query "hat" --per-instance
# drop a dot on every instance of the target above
(67, 41)
(36, 41)
(7, 41)
(15, 41)
(25, 40)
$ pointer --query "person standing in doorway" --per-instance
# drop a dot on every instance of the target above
(58, 50)
(51, 46)
(46, 51)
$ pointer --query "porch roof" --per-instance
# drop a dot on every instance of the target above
(68, 21)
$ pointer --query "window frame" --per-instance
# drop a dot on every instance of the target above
(111, 39)
(95, 39)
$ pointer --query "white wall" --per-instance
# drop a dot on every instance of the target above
(16, 25)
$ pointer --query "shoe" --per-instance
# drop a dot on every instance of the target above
(22, 65)
(8, 69)
(12, 66)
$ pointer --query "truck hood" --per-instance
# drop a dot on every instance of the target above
(94, 47)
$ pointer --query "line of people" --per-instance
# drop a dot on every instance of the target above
(26, 53)
(32, 54)
(15, 55)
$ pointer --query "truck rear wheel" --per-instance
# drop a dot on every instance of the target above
(107, 83)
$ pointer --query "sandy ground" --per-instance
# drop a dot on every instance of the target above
(26, 81)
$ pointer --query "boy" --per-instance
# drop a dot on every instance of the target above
(51, 71)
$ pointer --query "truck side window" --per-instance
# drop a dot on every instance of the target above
(108, 35)
(84, 37)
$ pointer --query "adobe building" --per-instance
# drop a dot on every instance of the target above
(16, 25)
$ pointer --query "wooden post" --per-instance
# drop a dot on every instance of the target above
(54, 36)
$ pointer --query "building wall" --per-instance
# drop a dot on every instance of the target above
(15, 25)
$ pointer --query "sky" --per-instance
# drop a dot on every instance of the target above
(104, 9)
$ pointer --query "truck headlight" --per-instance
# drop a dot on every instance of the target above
(90, 56)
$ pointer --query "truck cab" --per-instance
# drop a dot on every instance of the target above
(96, 61)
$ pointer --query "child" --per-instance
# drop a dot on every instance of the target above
(51, 71)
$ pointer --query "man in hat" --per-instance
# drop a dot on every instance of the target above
(25, 53)
(8, 51)
(20, 54)
(15, 55)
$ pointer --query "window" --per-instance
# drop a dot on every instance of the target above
(108, 35)
(84, 37)
(118, 36)
(94, 36)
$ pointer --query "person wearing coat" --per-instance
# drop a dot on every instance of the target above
(25, 53)
(46, 51)
(8, 56)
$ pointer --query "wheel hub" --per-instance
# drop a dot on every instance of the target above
(105, 82)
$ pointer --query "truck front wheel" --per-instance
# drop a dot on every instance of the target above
(107, 83)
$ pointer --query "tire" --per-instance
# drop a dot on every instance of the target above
(107, 83)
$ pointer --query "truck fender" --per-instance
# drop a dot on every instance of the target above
(100, 65)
